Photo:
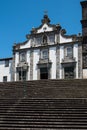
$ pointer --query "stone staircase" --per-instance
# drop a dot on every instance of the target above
(43, 105)
(41, 114)
(45, 88)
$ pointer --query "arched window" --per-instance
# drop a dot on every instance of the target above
(44, 39)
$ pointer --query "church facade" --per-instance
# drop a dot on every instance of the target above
(48, 53)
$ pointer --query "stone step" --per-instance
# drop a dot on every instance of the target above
(44, 122)
(44, 105)
(45, 114)
(49, 126)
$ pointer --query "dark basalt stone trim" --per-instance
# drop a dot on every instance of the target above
(18, 45)
(9, 58)
(31, 65)
(63, 32)
(56, 31)
(34, 30)
(84, 23)
(47, 21)
(83, 4)
(42, 33)
(48, 65)
(57, 62)
(54, 45)
(44, 63)
(68, 62)
(80, 61)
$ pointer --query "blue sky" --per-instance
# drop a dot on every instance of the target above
(17, 17)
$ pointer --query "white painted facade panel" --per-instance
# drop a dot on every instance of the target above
(61, 58)
(45, 28)
(35, 62)
(84, 73)
(75, 55)
(52, 58)
(27, 45)
(16, 59)
(65, 40)
(16, 63)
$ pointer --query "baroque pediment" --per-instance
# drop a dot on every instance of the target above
(44, 28)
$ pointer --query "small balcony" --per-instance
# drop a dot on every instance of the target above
(22, 65)
(44, 61)
(68, 60)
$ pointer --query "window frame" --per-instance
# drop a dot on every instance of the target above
(43, 55)
(5, 78)
(69, 53)
(21, 57)
(6, 63)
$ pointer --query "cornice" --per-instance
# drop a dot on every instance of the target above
(48, 46)
(28, 36)
(63, 32)
(18, 45)
(56, 29)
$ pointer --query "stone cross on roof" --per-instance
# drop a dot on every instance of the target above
(45, 12)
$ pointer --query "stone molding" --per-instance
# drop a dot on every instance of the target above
(31, 65)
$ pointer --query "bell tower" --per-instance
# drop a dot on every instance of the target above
(84, 18)
(84, 34)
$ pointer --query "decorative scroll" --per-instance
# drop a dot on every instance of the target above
(85, 61)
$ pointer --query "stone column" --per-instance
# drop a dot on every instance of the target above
(79, 60)
(57, 62)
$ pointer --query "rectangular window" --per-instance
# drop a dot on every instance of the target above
(6, 63)
(22, 75)
(22, 57)
(69, 52)
(4, 78)
(44, 54)
(44, 73)
(52, 38)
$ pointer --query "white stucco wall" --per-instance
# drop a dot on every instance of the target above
(75, 55)
(61, 57)
(16, 62)
(52, 57)
(36, 54)
(5, 71)
(27, 45)
(64, 40)
(84, 73)
(16, 58)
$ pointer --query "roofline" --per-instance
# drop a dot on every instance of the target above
(9, 58)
